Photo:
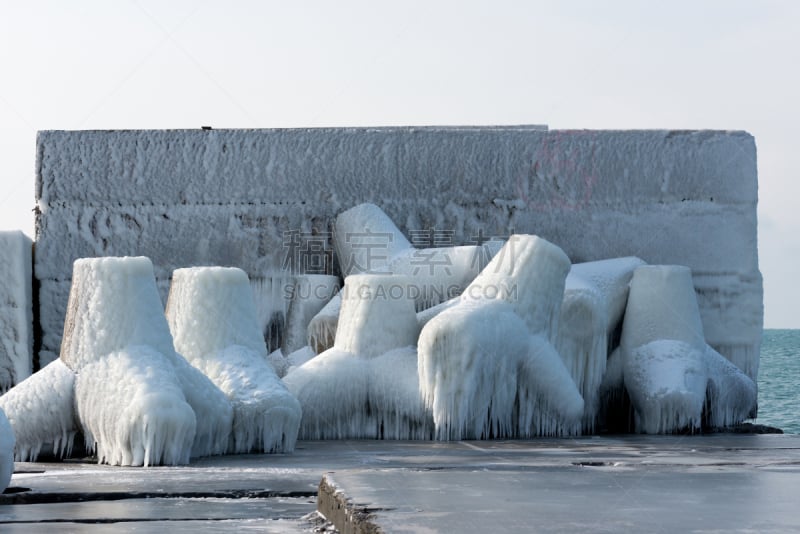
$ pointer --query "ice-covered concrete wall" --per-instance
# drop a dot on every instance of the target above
(242, 197)
(16, 309)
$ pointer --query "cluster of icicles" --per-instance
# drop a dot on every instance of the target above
(530, 346)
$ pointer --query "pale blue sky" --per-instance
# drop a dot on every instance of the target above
(616, 64)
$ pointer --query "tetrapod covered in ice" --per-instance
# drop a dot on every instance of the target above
(118, 378)
(674, 378)
(366, 385)
(595, 295)
(487, 365)
(212, 317)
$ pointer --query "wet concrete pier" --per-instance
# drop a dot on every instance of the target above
(733, 483)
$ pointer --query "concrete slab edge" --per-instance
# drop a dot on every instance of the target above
(347, 516)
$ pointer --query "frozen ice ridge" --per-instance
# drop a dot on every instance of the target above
(212, 316)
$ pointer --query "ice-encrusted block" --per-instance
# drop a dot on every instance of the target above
(16, 309)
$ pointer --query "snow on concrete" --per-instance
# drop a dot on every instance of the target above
(6, 451)
(41, 410)
(212, 315)
(228, 197)
(487, 366)
(668, 370)
(366, 385)
(16, 309)
(594, 301)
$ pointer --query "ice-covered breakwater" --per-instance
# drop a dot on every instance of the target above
(519, 362)
(264, 200)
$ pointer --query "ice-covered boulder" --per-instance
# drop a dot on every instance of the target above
(672, 376)
(487, 366)
(41, 410)
(595, 295)
(213, 319)
(6, 451)
(367, 241)
(366, 385)
(16, 309)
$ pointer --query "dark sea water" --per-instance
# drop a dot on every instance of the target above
(779, 380)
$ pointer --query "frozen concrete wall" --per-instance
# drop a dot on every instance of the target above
(237, 197)
(16, 309)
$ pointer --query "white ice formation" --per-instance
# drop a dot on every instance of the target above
(41, 410)
(116, 339)
(367, 241)
(6, 451)
(16, 309)
(673, 377)
(595, 295)
(366, 385)
(487, 366)
(212, 316)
